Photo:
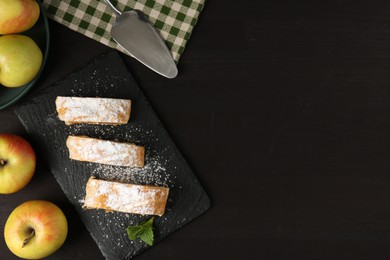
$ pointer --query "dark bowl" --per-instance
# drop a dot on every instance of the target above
(40, 34)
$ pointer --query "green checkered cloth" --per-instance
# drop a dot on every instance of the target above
(175, 19)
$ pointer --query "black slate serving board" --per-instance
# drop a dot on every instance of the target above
(107, 76)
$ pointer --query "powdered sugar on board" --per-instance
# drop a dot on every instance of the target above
(157, 163)
(153, 173)
(157, 168)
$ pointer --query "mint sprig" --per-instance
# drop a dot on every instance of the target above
(144, 231)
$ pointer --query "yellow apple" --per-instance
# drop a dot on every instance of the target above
(18, 15)
(20, 60)
(35, 229)
(17, 163)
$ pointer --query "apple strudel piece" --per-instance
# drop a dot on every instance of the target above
(124, 197)
(89, 110)
(83, 148)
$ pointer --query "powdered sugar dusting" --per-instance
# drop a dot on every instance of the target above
(126, 197)
(157, 164)
(105, 151)
(154, 172)
(74, 110)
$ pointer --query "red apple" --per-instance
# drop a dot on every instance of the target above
(18, 15)
(35, 229)
(17, 163)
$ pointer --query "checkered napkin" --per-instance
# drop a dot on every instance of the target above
(175, 19)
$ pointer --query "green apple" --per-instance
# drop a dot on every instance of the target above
(20, 60)
(35, 229)
(18, 15)
(17, 163)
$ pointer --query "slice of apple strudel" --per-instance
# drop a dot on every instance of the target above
(90, 110)
(83, 148)
(123, 197)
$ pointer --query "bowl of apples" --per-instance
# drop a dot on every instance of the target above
(24, 47)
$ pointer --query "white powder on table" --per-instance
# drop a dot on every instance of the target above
(154, 172)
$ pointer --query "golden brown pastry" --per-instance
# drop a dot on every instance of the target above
(88, 110)
(83, 148)
(123, 197)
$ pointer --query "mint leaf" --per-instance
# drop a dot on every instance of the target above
(134, 231)
(147, 236)
(144, 231)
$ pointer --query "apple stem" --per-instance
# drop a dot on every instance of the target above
(31, 235)
(3, 162)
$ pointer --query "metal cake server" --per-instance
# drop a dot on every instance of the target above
(134, 32)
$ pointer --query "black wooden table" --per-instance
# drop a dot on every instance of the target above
(282, 109)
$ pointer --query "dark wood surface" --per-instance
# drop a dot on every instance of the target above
(282, 109)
